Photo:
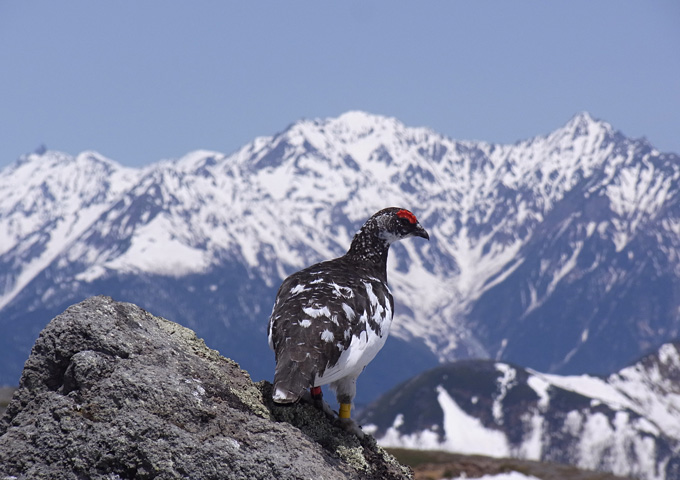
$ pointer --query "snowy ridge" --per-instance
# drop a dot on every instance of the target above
(626, 424)
(47, 201)
(582, 216)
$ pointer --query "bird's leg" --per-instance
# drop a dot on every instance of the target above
(346, 421)
(317, 393)
(317, 400)
(345, 409)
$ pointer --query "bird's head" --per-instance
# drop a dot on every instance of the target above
(373, 240)
(396, 223)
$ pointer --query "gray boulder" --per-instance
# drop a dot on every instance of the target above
(111, 392)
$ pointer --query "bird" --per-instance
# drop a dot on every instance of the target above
(330, 320)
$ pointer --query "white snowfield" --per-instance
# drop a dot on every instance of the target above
(272, 203)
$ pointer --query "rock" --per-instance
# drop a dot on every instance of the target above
(111, 391)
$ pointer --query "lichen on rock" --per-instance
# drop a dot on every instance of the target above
(111, 391)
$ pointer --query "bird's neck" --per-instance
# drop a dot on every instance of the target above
(369, 249)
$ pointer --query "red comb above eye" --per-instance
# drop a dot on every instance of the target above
(407, 215)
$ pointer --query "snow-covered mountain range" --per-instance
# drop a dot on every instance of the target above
(559, 253)
(626, 423)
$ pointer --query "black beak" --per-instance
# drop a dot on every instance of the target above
(421, 232)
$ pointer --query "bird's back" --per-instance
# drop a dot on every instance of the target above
(329, 320)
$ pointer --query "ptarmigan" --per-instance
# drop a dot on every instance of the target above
(331, 319)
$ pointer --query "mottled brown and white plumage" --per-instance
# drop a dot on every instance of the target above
(331, 319)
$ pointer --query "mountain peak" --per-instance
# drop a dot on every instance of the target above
(94, 157)
(583, 124)
(348, 127)
(363, 123)
(44, 160)
(360, 119)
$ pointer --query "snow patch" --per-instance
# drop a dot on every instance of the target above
(463, 433)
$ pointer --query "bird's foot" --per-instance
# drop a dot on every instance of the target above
(346, 421)
(351, 426)
(315, 397)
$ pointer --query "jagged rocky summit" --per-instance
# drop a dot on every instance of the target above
(111, 391)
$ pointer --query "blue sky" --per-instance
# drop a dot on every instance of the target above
(144, 81)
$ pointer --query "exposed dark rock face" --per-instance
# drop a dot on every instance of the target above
(111, 391)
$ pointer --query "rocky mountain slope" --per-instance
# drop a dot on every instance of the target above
(626, 423)
(559, 252)
(111, 391)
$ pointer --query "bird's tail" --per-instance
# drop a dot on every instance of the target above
(289, 382)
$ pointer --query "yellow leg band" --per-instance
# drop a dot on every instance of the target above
(345, 409)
